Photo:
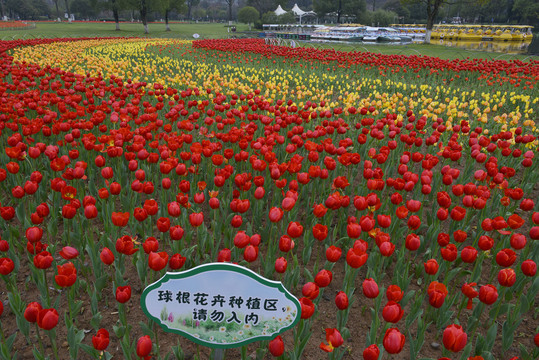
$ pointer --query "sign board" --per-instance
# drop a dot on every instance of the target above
(221, 305)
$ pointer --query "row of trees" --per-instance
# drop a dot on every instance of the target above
(358, 11)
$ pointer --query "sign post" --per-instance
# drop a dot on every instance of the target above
(221, 305)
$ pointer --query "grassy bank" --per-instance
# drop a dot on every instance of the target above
(219, 30)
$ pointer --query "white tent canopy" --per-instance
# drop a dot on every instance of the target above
(279, 11)
(298, 12)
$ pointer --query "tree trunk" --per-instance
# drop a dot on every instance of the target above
(57, 10)
(166, 20)
(189, 6)
(67, 8)
(339, 10)
(230, 12)
(116, 14)
(432, 10)
(143, 12)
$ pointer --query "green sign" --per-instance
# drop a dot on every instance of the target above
(221, 305)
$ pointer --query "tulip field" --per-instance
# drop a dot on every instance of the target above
(397, 197)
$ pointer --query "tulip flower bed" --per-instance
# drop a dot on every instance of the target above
(11, 25)
(395, 196)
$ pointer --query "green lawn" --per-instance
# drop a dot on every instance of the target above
(219, 30)
(64, 29)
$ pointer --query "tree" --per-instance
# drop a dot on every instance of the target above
(143, 15)
(167, 6)
(248, 15)
(25, 9)
(262, 6)
(84, 9)
(433, 7)
(67, 9)
(353, 8)
(190, 4)
(527, 12)
(229, 3)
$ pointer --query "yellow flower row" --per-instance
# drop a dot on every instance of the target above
(136, 59)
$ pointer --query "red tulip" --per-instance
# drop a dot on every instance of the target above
(334, 339)
(333, 253)
(294, 230)
(106, 256)
(250, 253)
(34, 234)
(280, 265)
(176, 261)
(449, 253)
(286, 243)
(241, 239)
(320, 232)
(126, 245)
(518, 241)
(196, 219)
(151, 207)
(506, 257)
(469, 291)
(356, 257)
(90, 212)
(310, 290)
(101, 340)
(4, 245)
(224, 255)
(157, 261)
(120, 219)
(69, 252)
(431, 266)
(507, 277)
(468, 254)
(236, 221)
(144, 346)
(485, 243)
(307, 308)
(412, 242)
(392, 312)
(341, 300)
(488, 294)
(47, 318)
(276, 346)
(176, 232)
(437, 293)
(370, 288)
(529, 267)
(394, 293)
(371, 352)
(323, 278)
(275, 214)
(454, 338)
(123, 294)
(6, 266)
(67, 275)
(43, 260)
(31, 312)
(393, 341)
(150, 244)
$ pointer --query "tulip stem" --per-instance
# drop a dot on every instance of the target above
(47, 289)
(156, 332)
(39, 339)
(53, 344)
(2, 334)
